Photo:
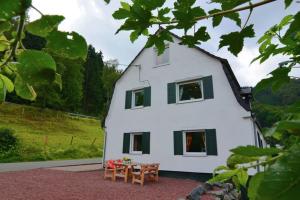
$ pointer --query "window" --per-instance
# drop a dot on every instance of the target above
(163, 58)
(194, 143)
(138, 98)
(136, 143)
(189, 91)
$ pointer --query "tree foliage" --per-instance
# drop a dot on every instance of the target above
(26, 69)
(280, 178)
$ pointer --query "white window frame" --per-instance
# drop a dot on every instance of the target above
(133, 98)
(167, 46)
(131, 144)
(184, 144)
(185, 83)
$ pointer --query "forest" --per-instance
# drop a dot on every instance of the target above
(87, 86)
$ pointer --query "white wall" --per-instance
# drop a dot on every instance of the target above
(231, 121)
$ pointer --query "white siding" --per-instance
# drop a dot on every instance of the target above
(231, 121)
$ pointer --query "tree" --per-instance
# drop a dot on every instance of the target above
(23, 70)
(281, 177)
(93, 97)
(109, 77)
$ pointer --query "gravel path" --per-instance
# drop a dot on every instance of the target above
(42, 184)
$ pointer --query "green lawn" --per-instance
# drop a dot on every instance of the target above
(46, 134)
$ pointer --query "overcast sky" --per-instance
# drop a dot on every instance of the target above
(93, 20)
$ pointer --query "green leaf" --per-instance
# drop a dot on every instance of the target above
(125, 5)
(235, 40)
(162, 13)
(36, 67)
(254, 184)
(4, 26)
(287, 3)
(220, 168)
(7, 83)
(9, 9)
(279, 78)
(46, 24)
(200, 35)
(253, 151)
(4, 43)
(285, 126)
(134, 35)
(218, 19)
(2, 91)
(281, 181)
(24, 90)
(235, 159)
(121, 14)
(230, 4)
(70, 45)
(242, 176)
(223, 176)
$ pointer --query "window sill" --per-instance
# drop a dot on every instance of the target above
(190, 101)
(161, 65)
(136, 153)
(138, 107)
(195, 155)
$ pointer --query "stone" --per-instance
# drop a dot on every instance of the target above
(196, 193)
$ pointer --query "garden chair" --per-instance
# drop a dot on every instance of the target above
(121, 171)
(149, 170)
(110, 169)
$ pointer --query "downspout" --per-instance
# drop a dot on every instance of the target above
(104, 147)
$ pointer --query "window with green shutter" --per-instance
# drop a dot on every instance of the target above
(195, 142)
(128, 99)
(147, 96)
(136, 143)
(208, 88)
(211, 142)
(178, 144)
(126, 142)
(146, 143)
(193, 90)
(171, 93)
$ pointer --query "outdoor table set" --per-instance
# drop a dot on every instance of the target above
(126, 169)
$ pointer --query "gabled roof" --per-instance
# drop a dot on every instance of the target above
(234, 84)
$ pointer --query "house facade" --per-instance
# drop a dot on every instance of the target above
(183, 109)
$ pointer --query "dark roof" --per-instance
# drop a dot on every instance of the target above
(234, 84)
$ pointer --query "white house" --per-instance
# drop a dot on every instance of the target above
(183, 109)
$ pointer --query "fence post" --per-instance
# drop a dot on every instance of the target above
(93, 141)
(72, 140)
(46, 140)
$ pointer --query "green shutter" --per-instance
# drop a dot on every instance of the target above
(171, 93)
(146, 143)
(128, 99)
(211, 142)
(178, 143)
(126, 142)
(208, 87)
(147, 96)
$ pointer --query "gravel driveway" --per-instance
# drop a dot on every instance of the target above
(42, 184)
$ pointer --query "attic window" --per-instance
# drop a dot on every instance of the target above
(164, 58)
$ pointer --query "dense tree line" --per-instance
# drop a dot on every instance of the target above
(87, 85)
(269, 106)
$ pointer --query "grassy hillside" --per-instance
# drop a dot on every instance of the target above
(46, 134)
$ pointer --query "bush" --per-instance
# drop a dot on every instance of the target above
(8, 140)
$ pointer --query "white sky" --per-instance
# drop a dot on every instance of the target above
(93, 20)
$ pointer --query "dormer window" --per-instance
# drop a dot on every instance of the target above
(164, 58)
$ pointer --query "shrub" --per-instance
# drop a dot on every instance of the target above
(8, 140)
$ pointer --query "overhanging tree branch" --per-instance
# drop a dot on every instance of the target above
(250, 6)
